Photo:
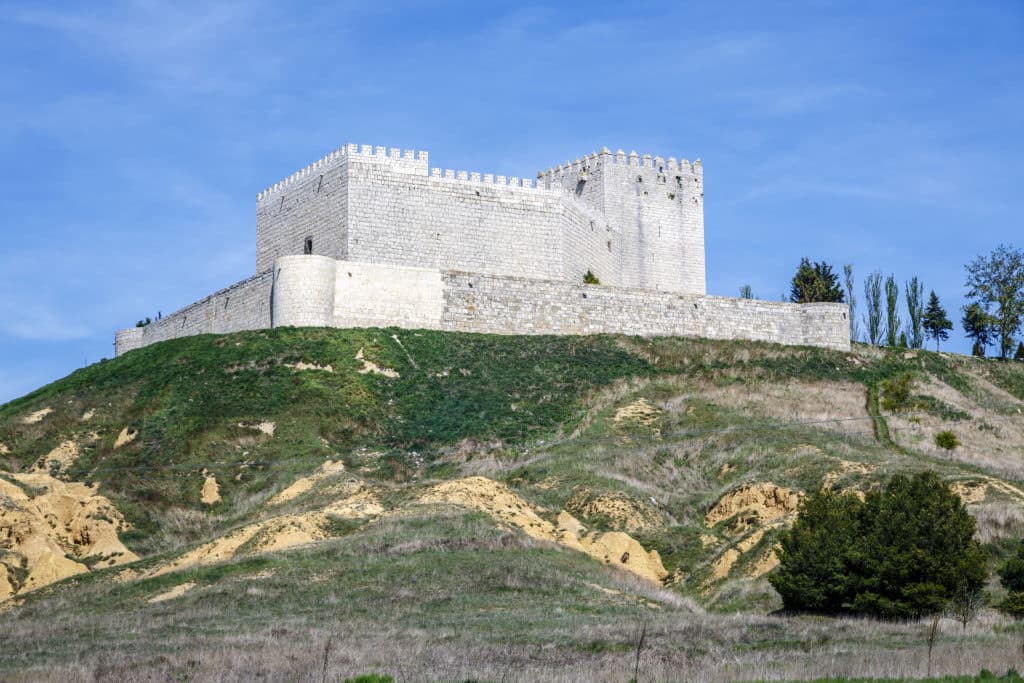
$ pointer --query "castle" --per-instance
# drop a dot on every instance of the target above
(370, 237)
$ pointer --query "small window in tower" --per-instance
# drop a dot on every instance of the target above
(307, 247)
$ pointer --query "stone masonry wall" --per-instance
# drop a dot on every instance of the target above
(242, 306)
(323, 292)
(475, 303)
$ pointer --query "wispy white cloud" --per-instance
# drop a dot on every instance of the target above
(35, 319)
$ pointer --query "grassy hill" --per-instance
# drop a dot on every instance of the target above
(307, 503)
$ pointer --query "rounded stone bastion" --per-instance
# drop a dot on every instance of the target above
(303, 291)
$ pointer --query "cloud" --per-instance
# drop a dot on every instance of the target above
(175, 46)
(34, 320)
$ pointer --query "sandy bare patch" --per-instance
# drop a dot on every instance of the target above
(367, 366)
(755, 504)
(265, 427)
(844, 468)
(175, 592)
(613, 547)
(210, 492)
(639, 412)
(87, 415)
(44, 520)
(126, 436)
(276, 533)
(4, 450)
(619, 509)
(309, 366)
(36, 417)
(304, 484)
(59, 459)
(758, 509)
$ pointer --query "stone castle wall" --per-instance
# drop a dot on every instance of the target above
(317, 291)
(632, 221)
(242, 306)
(369, 237)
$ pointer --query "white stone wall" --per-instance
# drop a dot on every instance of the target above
(242, 306)
(317, 291)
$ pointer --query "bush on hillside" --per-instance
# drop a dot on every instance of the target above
(1011, 576)
(590, 279)
(902, 553)
(946, 439)
(896, 392)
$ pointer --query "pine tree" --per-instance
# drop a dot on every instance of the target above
(815, 282)
(914, 294)
(892, 314)
(936, 322)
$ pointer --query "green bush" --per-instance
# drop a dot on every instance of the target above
(896, 392)
(947, 440)
(371, 678)
(590, 279)
(903, 552)
(1011, 576)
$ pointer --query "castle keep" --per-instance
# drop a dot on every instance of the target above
(369, 237)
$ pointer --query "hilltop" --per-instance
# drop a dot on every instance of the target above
(454, 505)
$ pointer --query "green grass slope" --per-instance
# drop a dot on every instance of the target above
(652, 437)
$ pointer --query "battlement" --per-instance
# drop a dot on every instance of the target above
(409, 161)
(476, 178)
(595, 160)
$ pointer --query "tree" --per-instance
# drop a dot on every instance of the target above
(1020, 352)
(814, 574)
(873, 301)
(904, 552)
(892, 314)
(851, 301)
(815, 282)
(978, 326)
(936, 322)
(1011, 575)
(996, 283)
(746, 292)
(914, 294)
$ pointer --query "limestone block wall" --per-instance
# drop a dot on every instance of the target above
(242, 306)
(452, 220)
(502, 305)
(303, 292)
(318, 291)
(314, 202)
(372, 295)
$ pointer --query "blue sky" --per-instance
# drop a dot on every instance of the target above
(135, 135)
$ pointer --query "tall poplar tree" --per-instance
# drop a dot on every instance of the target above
(914, 294)
(873, 302)
(892, 313)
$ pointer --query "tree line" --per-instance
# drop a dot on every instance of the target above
(994, 314)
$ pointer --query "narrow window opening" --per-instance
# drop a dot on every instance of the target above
(609, 245)
(319, 184)
(307, 247)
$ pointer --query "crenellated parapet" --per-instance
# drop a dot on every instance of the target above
(408, 161)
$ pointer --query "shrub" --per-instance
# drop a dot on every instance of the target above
(902, 553)
(947, 440)
(1020, 352)
(1011, 572)
(590, 279)
(371, 678)
(896, 392)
